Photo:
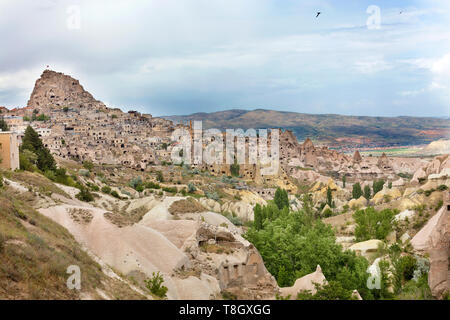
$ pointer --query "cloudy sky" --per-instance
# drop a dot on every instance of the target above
(170, 57)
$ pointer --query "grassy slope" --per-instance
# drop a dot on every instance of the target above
(35, 253)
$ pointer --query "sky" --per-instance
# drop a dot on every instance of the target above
(169, 57)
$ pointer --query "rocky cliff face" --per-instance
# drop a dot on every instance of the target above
(434, 240)
(55, 90)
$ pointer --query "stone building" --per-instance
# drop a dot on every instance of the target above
(9, 150)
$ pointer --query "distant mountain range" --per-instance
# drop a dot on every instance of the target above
(334, 130)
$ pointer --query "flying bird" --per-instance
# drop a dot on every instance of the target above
(318, 13)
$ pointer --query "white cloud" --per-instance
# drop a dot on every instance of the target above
(372, 65)
(22, 79)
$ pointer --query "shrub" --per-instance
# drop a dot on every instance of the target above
(2, 243)
(106, 189)
(191, 187)
(84, 195)
(135, 182)
(83, 172)
(152, 185)
(154, 285)
(115, 194)
(345, 208)
(442, 187)
(333, 290)
(439, 205)
(212, 195)
(328, 213)
(88, 165)
(159, 176)
(170, 189)
(234, 169)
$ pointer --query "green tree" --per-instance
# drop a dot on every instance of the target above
(234, 169)
(33, 143)
(344, 180)
(3, 125)
(356, 192)
(330, 198)
(377, 186)
(373, 224)
(257, 219)
(27, 160)
(283, 277)
(281, 198)
(367, 192)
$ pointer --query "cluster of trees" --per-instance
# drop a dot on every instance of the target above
(292, 244)
(373, 224)
(35, 157)
(377, 186)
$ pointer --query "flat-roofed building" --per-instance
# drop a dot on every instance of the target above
(9, 150)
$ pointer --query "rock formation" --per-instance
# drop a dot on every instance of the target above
(306, 283)
(434, 239)
(55, 90)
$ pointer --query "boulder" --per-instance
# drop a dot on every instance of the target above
(385, 194)
(391, 237)
(356, 295)
(398, 183)
(305, 283)
(406, 214)
(405, 237)
(357, 203)
(366, 248)
(419, 174)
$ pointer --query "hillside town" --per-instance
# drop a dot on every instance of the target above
(117, 190)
